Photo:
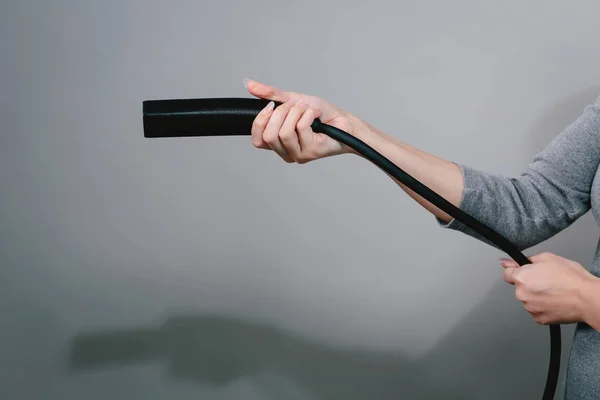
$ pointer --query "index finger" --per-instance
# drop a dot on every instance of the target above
(267, 92)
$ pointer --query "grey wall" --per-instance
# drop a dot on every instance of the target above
(205, 268)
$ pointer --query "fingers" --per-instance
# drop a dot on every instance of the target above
(305, 132)
(513, 270)
(508, 263)
(285, 130)
(259, 125)
(288, 135)
(542, 257)
(516, 275)
(510, 275)
(266, 92)
(538, 258)
(271, 134)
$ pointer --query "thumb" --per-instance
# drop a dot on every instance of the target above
(266, 92)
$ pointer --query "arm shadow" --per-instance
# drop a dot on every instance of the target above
(213, 350)
(495, 352)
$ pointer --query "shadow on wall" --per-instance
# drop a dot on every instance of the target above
(495, 352)
(492, 353)
(216, 350)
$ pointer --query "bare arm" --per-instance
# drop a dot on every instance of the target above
(442, 176)
(546, 198)
(552, 192)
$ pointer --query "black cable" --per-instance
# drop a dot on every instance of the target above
(234, 116)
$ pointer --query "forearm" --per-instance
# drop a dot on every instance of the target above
(590, 300)
(552, 192)
(442, 176)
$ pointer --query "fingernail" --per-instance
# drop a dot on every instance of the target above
(270, 106)
(246, 80)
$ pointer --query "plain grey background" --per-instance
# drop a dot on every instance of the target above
(208, 269)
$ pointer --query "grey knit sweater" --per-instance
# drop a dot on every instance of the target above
(561, 184)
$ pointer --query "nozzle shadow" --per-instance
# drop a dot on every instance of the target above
(215, 350)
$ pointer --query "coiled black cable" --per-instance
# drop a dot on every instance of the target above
(234, 116)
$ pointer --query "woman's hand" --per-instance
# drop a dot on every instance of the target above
(553, 289)
(287, 129)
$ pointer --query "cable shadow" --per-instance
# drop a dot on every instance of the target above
(212, 350)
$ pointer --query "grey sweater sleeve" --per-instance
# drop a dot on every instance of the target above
(552, 192)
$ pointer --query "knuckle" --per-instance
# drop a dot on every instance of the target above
(302, 158)
(280, 112)
(259, 124)
(287, 135)
(309, 116)
(270, 92)
(269, 138)
(519, 278)
(303, 124)
(292, 154)
(301, 108)
(531, 308)
(288, 105)
(309, 156)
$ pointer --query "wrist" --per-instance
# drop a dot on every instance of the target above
(360, 130)
(590, 301)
